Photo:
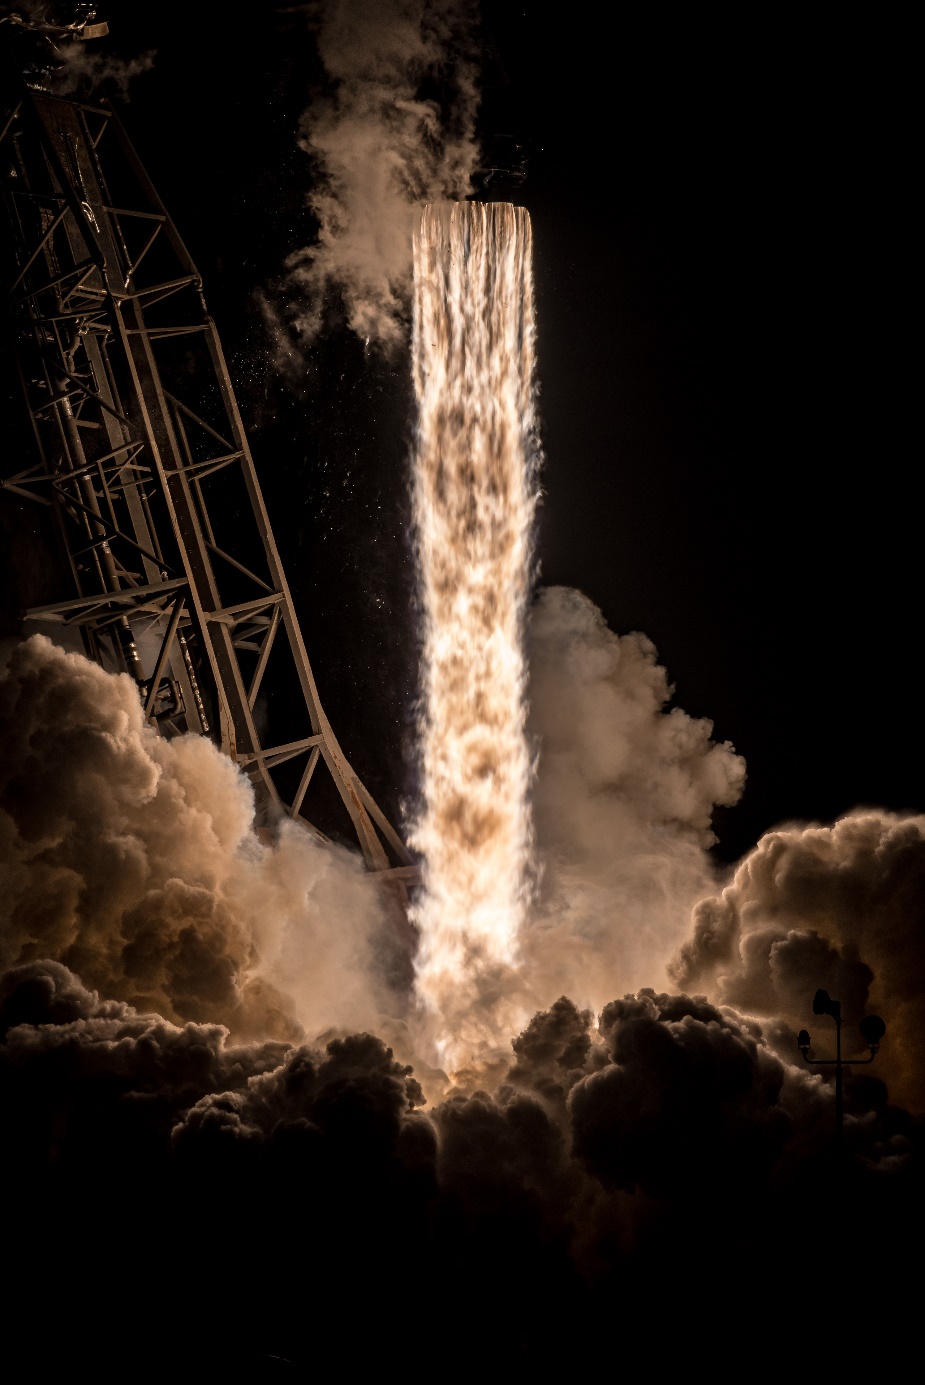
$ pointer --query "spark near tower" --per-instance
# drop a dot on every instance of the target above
(474, 495)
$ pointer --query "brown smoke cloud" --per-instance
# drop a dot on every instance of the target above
(624, 793)
(840, 907)
(671, 1136)
(629, 897)
(379, 151)
(132, 859)
(670, 1131)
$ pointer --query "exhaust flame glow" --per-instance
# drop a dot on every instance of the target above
(474, 502)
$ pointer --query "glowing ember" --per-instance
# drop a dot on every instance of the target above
(474, 500)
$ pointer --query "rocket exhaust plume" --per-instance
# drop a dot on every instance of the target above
(474, 496)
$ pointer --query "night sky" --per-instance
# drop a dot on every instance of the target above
(723, 253)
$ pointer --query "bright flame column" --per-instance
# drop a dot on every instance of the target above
(474, 501)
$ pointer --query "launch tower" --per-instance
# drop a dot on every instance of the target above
(144, 466)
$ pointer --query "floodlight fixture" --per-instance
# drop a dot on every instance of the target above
(823, 1004)
(872, 1031)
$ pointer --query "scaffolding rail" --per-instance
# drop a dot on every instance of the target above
(142, 457)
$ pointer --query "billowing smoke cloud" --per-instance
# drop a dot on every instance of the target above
(380, 150)
(669, 1154)
(132, 859)
(839, 907)
(624, 795)
(665, 1149)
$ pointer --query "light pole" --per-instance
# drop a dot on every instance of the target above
(872, 1031)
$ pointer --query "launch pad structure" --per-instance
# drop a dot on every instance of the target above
(143, 462)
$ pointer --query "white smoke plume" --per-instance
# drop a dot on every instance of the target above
(839, 907)
(132, 859)
(380, 150)
(86, 72)
(624, 794)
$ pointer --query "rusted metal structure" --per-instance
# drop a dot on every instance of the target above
(143, 460)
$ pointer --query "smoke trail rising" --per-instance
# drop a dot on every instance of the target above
(474, 500)
(380, 149)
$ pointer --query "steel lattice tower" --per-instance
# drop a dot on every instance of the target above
(144, 462)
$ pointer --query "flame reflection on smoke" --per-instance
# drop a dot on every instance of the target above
(474, 500)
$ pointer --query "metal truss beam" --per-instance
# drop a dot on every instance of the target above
(144, 459)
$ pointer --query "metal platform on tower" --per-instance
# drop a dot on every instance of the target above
(143, 464)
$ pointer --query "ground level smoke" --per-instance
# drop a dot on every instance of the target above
(132, 858)
(474, 496)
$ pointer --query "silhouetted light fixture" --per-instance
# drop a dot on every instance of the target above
(823, 1004)
(872, 1031)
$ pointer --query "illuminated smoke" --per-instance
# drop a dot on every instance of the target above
(380, 150)
(623, 802)
(814, 905)
(474, 499)
(132, 858)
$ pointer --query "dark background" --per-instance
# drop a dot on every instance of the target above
(721, 213)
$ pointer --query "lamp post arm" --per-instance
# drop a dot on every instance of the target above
(845, 1062)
